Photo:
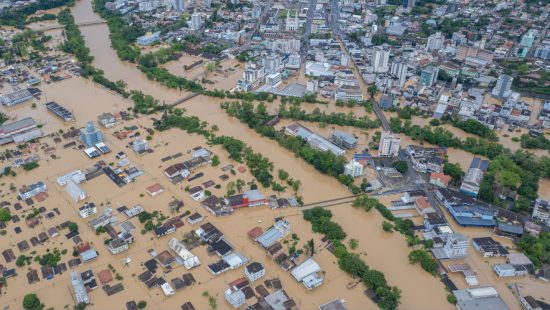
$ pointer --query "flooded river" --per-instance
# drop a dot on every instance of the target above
(386, 252)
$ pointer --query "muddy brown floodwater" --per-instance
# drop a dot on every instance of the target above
(383, 251)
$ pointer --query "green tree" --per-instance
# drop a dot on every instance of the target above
(353, 243)
(387, 226)
(5, 215)
(401, 166)
(373, 90)
(142, 304)
(73, 226)
(215, 160)
(454, 171)
(283, 175)
(31, 302)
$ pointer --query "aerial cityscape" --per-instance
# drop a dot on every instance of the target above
(274, 155)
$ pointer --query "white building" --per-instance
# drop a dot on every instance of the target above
(353, 169)
(148, 38)
(435, 41)
(32, 190)
(456, 246)
(77, 176)
(273, 79)
(389, 144)
(399, 69)
(196, 21)
(509, 270)
(79, 290)
(294, 61)
(189, 259)
(117, 245)
(309, 273)
(254, 271)
(380, 60)
(503, 87)
(291, 24)
(541, 211)
(74, 190)
(87, 210)
(234, 297)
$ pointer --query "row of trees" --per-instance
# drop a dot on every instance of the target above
(473, 127)
(342, 119)
(122, 35)
(540, 142)
(260, 166)
(324, 162)
(75, 44)
(405, 227)
(388, 296)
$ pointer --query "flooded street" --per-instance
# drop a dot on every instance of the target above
(381, 250)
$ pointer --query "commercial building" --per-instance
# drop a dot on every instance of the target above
(488, 247)
(278, 231)
(19, 131)
(28, 191)
(313, 139)
(456, 246)
(91, 135)
(79, 290)
(389, 144)
(480, 298)
(60, 111)
(344, 140)
(509, 270)
(474, 176)
(465, 210)
(148, 39)
(16, 97)
(309, 273)
(353, 169)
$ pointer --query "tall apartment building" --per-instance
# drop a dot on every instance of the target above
(399, 69)
(541, 211)
(389, 144)
(456, 246)
(503, 87)
(196, 21)
(380, 60)
(429, 75)
(435, 41)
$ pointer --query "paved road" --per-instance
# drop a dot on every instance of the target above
(335, 13)
(362, 83)
(307, 27)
